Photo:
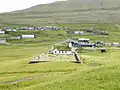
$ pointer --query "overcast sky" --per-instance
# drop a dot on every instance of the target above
(12, 5)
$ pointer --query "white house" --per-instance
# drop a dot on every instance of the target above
(79, 32)
(31, 28)
(2, 33)
(28, 36)
(11, 30)
(48, 27)
(84, 40)
(2, 41)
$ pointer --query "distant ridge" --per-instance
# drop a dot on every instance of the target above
(70, 11)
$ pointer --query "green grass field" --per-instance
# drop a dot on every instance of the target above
(100, 71)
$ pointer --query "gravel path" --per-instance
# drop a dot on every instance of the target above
(32, 77)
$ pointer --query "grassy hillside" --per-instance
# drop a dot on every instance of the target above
(71, 11)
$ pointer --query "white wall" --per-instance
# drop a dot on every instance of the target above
(62, 52)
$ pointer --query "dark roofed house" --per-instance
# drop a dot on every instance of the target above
(86, 45)
(81, 43)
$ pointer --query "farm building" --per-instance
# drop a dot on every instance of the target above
(28, 36)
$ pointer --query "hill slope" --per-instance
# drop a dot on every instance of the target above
(71, 11)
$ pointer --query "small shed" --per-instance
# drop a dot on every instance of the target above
(28, 36)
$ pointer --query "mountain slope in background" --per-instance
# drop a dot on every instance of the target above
(71, 11)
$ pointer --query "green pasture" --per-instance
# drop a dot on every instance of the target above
(100, 71)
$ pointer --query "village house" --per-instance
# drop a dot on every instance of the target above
(40, 28)
(23, 28)
(31, 28)
(5, 28)
(48, 27)
(18, 37)
(81, 42)
(51, 28)
(56, 28)
(2, 41)
(100, 32)
(115, 44)
(79, 32)
(2, 33)
(84, 40)
(11, 30)
(28, 36)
